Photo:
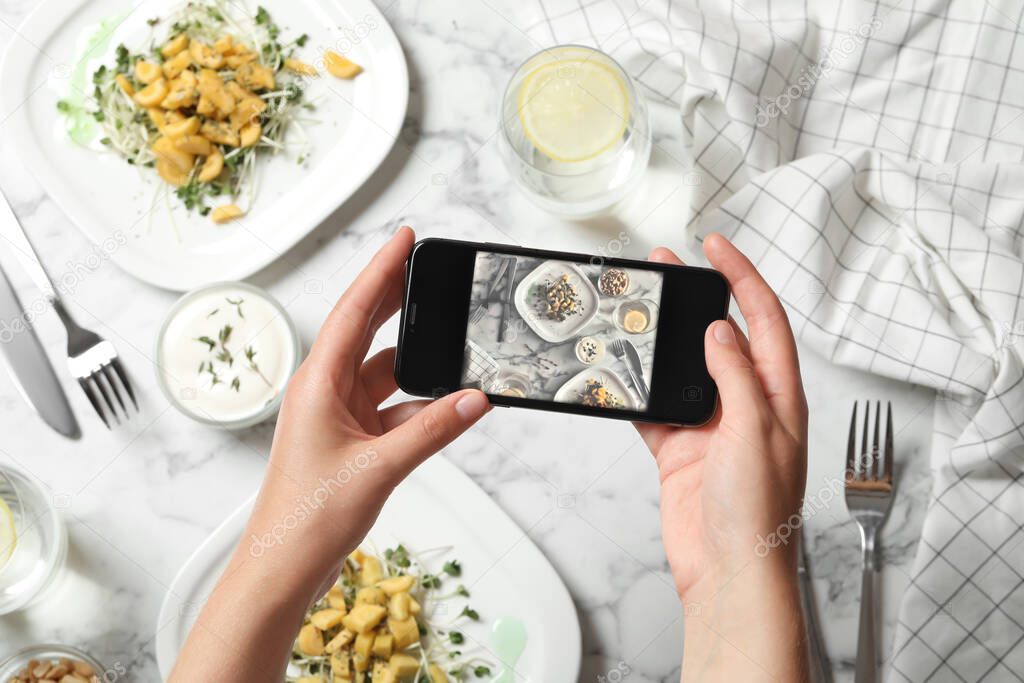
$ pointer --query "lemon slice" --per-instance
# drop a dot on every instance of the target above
(8, 534)
(573, 109)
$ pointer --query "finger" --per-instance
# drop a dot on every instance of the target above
(666, 255)
(395, 415)
(430, 430)
(772, 346)
(738, 386)
(377, 376)
(340, 340)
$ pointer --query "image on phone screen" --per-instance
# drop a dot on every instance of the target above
(562, 331)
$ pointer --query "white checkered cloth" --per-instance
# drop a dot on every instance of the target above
(868, 156)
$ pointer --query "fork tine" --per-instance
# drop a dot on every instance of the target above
(94, 401)
(109, 375)
(97, 378)
(123, 377)
(851, 447)
(865, 464)
(876, 463)
(888, 443)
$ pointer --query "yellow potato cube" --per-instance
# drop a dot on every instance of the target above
(308, 679)
(362, 618)
(403, 665)
(224, 45)
(205, 56)
(371, 595)
(125, 84)
(200, 146)
(397, 584)
(156, 115)
(219, 133)
(250, 134)
(177, 65)
(340, 664)
(300, 67)
(414, 607)
(405, 631)
(152, 94)
(383, 674)
(398, 606)
(212, 168)
(340, 67)
(336, 598)
(182, 92)
(171, 174)
(357, 556)
(255, 77)
(339, 641)
(182, 128)
(364, 644)
(205, 107)
(223, 214)
(310, 641)
(146, 72)
(211, 86)
(247, 111)
(383, 645)
(326, 618)
(371, 572)
(239, 58)
(164, 148)
(437, 674)
(174, 46)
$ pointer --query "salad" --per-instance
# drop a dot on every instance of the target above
(213, 91)
(380, 623)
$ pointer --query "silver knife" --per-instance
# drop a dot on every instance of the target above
(29, 365)
(821, 671)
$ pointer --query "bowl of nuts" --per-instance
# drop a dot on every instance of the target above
(58, 663)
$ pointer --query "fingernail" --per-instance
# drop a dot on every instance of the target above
(724, 333)
(471, 406)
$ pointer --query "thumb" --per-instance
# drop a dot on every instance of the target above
(431, 429)
(738, 386)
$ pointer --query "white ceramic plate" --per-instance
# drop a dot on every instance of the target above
(437, 506)
(571, 390)
(552, 330)
(116, 205)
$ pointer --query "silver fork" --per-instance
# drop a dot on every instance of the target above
(869, 487)
(618, 348)
(93, 361)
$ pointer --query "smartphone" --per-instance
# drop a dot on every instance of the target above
(556, 331)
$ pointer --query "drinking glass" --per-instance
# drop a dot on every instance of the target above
(575, 186)
(34, 554)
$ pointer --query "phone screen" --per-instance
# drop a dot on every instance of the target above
(557, 331)
(562, 331)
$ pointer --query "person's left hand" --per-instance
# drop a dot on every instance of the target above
(336, 456)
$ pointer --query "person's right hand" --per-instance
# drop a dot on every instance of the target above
(729, 487)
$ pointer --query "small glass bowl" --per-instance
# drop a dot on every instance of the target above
(271, 408)
(10, 667)
(42, 544)
(644, 307)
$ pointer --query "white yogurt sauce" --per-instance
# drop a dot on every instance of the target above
(226, 353)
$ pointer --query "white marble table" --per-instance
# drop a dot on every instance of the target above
(139, 499)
